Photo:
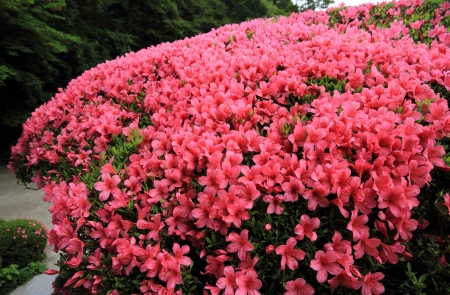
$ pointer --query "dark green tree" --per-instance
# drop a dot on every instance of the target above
(286, 5)
(102, 29)
(313, 4)
(242, 10)
(29, 64)
(154, 22)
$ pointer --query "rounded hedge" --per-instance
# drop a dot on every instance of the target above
(278, 156)
(22, 241)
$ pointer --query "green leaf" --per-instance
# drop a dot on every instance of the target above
(422, 278)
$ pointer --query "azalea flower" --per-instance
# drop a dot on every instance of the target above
(446, 202)
(247, 283)
(216, 265)
(292, 189)
(366, 245)
(357, 225)
(306, 227)
(324, 263)
(108, 186)
(274, 204)
(387, 252)
(228, 282)
(239, 243)
(179, 253)
(339, 246)
(289, 254)
(371, 285)
(298, 287)
(345, 279)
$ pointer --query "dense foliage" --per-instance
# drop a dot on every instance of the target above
(46, 43)
(12, 276)
(22, 245)
(296, 155)
(22, 241)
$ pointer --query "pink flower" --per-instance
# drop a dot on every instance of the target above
(248, 283)
(366, 245)
(177, 222)
(339, 246)
(371, 285)
(416, 25)
(95, 260)
(446, 202)
(270, 248)
(292, 189)
(316, 196)
(306, 228)
(445, 38)
(346, 279)
(357, 225)
(216, 264)
(107, 186)
(315, 137)
(239, 243)
(325, 263)
(171, 276)
(105, 235)
(214, 178)
(436, 31)
(108, 168)
(154, 226)
(289, 254)
(298, 287)
(274, 204)
(51, 272)
(228, 282)
(419, 174)
(179, 252)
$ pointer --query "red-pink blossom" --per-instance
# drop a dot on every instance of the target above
(228, 282)
(274, 204)
(239, 243)
(446, 202)
(289, 254)
(107, 186)
(298, 287)
(248, 283)
(371, 285)
(325, 263)
(306, 227)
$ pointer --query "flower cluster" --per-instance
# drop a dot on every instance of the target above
(224, 162)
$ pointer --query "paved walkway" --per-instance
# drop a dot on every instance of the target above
(18, 202)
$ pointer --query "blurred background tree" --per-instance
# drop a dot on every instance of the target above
(46, 43)
(310, 4)
(30, 48)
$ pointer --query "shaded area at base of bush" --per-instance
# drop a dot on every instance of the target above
(22, 246)
(12, 276)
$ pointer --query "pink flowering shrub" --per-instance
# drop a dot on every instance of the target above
(279, 156)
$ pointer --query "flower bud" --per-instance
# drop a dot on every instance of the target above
(443, 261)
(269, 249)
(423, 223)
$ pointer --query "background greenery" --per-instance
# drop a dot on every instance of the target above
(22, 244)
(46, 43)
